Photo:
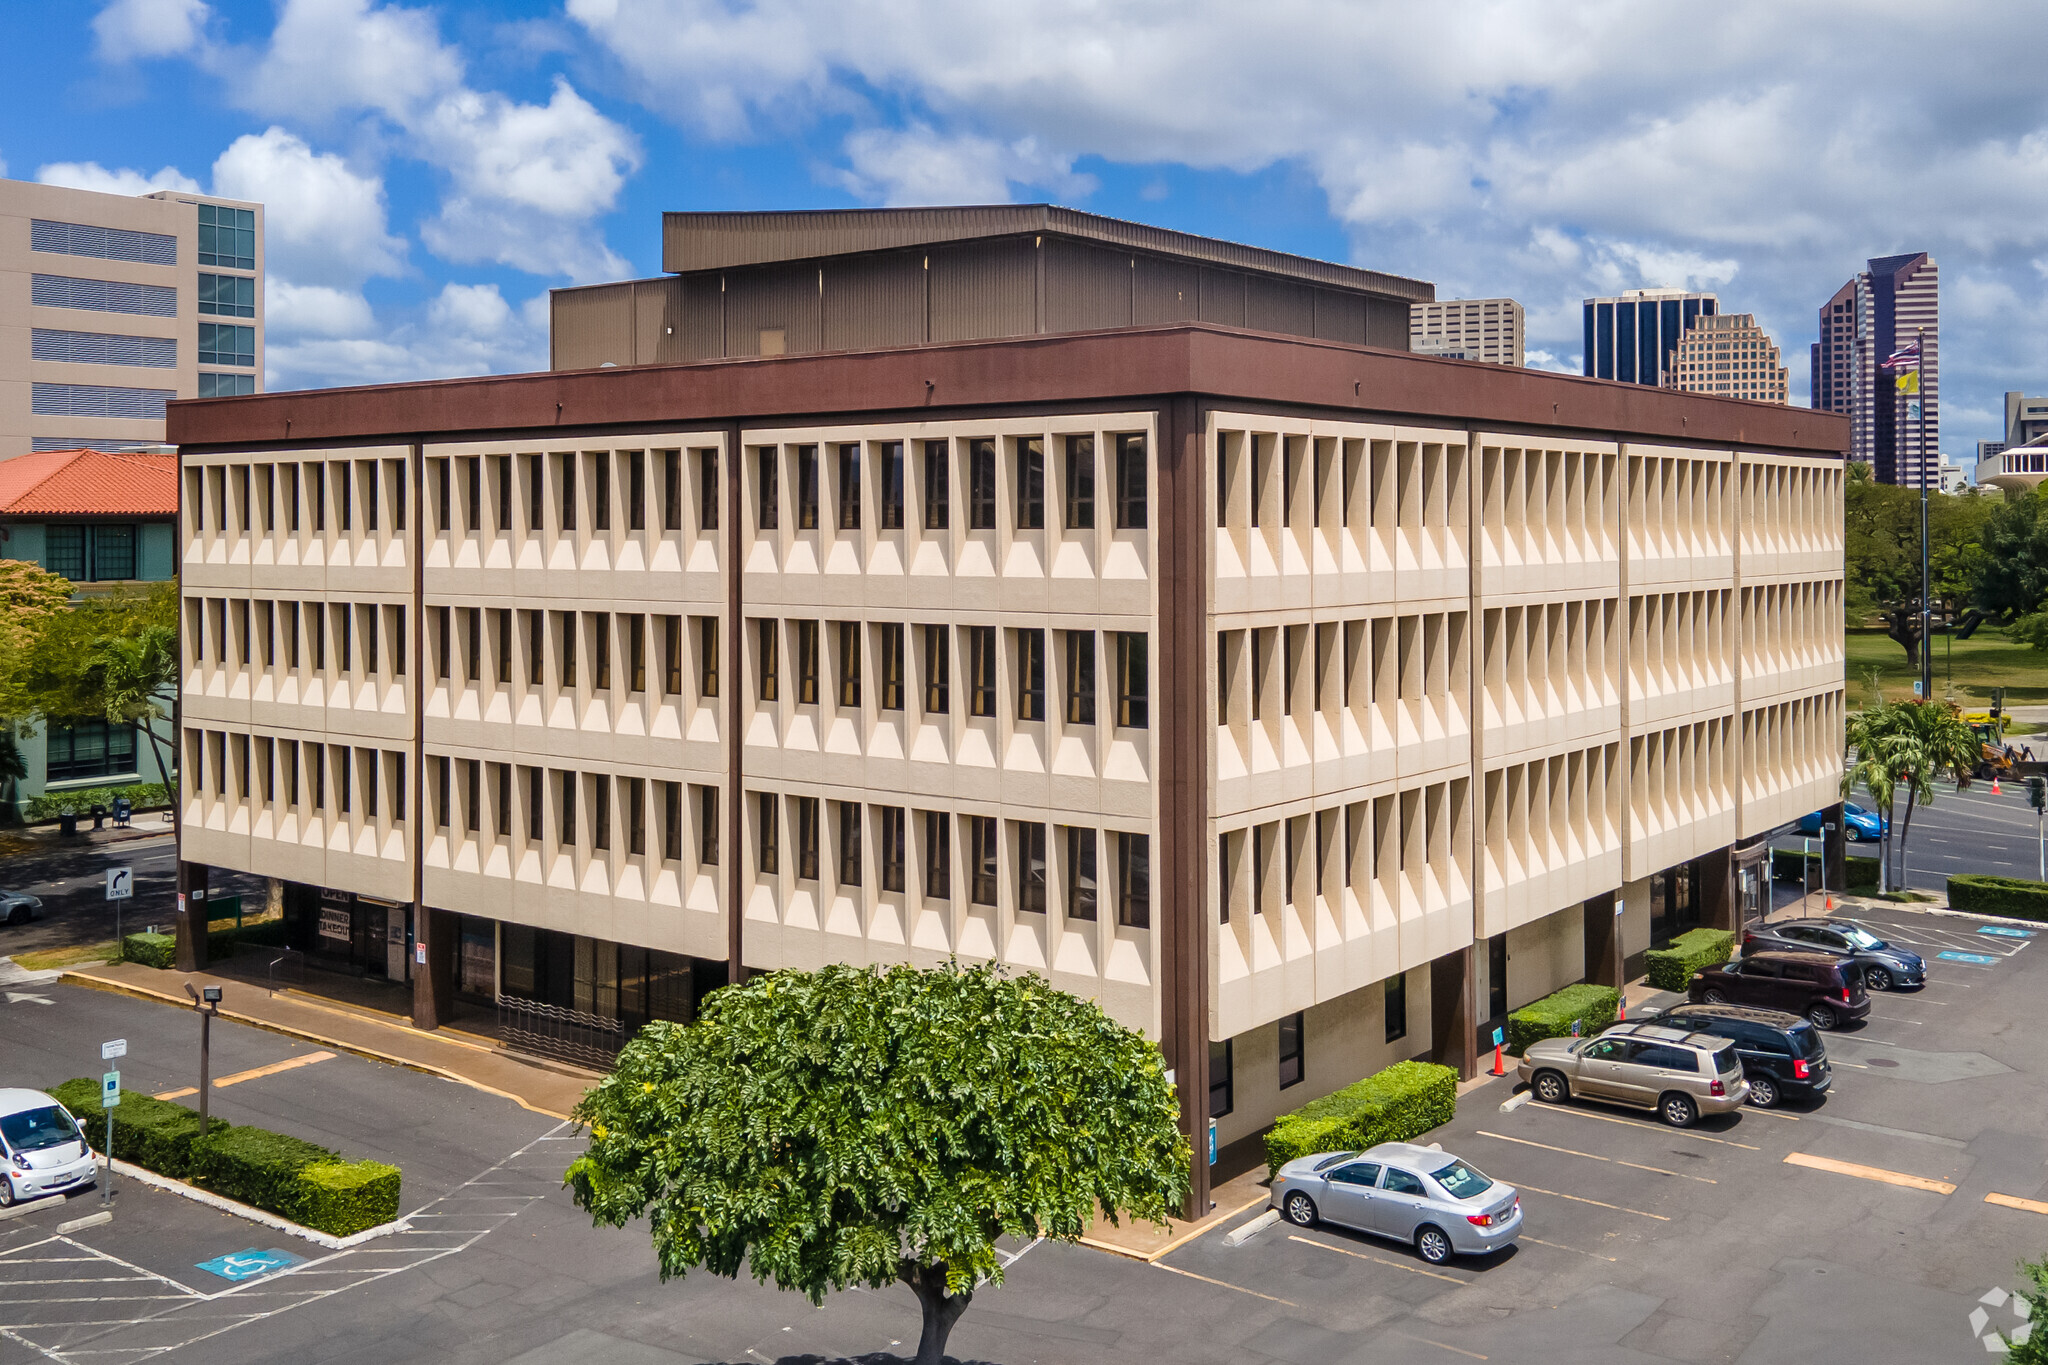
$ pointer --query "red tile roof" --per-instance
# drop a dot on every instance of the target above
(71, 483)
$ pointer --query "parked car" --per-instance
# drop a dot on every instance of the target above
(1680, 1075)
(1827, 990)
(1858, 824)
(1423, 1196)
(1782, 1055)
(1884, 965)
(18, 907)
(41, 1150)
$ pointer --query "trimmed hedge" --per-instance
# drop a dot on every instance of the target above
(285, 1175)
(151, 950)
(161, 950)
(1398, 1104)
(2013, 897)
(1591, 1007)
(141, 796)
(1671, 969)
(1785, 866)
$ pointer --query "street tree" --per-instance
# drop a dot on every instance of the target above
(1881, 557)
(1909, 745)
(857, 1126)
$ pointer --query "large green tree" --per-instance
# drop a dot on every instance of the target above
(1881, 552)
(2010, 573)
(1909, 745)
(858, 1126)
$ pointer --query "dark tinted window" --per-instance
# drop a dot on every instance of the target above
(1759, 1038)
(1666, 1056)
(1606, 1050)
(1333, 1159)
(1358, 1173)
(1758, 967)
(1401, 1182)
(1806, 1042)
(1724, 1061)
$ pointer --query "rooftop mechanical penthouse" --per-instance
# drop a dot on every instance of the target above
(1310, 705)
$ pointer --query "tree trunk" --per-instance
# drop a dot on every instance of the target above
(1905, 830)
(941, 1310)
(163, 770)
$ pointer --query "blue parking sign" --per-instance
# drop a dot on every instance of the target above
(1979, 959)
(247, 1265)
(2004, 932)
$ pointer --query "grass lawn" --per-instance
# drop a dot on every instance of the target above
(1973, 667)
(79, 955)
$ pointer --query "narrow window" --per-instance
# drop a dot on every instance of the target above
(568, 463)
(938, 669)
(316, 491)
(269, 498)
(1134, 880)
(536, 491)
(1133, 680)
(938, 856)
(444, 634)
(1080, 483)
(636, 816)
(473, 483)
(503, 464)
(889, 645)
(290, 755)
(316, 625)
(672, 821)
(601, 643)
(1080, 689)
(473, 627)
(981, 834)
(981, 486)
(567, 813)
(892, 849)
(347, 641)
(981, 692)
(1222, 1090)
(1290, 1050)
(707, 654)
(1080, 873)
(344, 497)
(707, 814)
(504, 786)
(1130, 483)
(671, 490)
(1226, 868)
(889, 473)
(291, 635)
(269, 634)
(807, 663)
(601, 812)
(636, 651)
(397, 786)
(707, 488)
(636, 490)
(807, 488)
(849, 664)
(1397, 1006)
(849, 842)
(849, 486)
(443, 496)
(1030, 675)
(769, 659)
(807, 838)
(767, 486)
(770, 834)
(937, 485)
(536, 647)
(291, 478)
(536, 803)
(369, 468)
(672, 655)
(504, 634)
(1031, 484)
(567, 642)
(1031, 869)
(601, 491)
(344, 780)
(473, 806)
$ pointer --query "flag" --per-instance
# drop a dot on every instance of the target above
(1908, 382)
(1907, 357)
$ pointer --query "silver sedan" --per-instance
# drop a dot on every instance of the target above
(18, 907)
(1423, 1196)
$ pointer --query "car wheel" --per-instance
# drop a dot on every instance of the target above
(1763, 1092)
(1432, 1245)
(1678, 1110)
(1714, 997)
(1876, 979)
(1822, 1016)
(18, 915)
(1852, 834)
(6, 1192)
(1551, 1088)
(1300, 1210)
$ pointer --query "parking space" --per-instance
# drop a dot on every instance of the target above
(1918, 1180)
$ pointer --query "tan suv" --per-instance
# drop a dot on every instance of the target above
(1680, 1075)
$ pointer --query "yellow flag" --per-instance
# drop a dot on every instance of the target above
(1908, 382)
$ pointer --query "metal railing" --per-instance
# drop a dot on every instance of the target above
(565, 1035)
(287, 968)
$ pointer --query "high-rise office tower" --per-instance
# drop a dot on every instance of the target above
(117, 304)
(1729, 355)
(1877, 313)
(1632, 335)
(1467, 329)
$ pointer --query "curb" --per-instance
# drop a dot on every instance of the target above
(100, 983)
(251, 1214)
(1201, 1229)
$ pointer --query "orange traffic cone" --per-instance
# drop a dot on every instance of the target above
(1831, 900)
(1994, 784)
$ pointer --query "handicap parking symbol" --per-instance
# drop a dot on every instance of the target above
(247, 1265)
(2004, 932)
(1979, 958)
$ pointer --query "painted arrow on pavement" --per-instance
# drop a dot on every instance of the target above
(15, 998)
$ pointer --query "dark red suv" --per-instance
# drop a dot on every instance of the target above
(1827, 990)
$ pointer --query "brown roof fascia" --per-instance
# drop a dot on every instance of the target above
(1128, 366)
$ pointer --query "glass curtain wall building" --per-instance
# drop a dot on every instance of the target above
(1631, 336)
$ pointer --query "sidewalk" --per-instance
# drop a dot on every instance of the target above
(35, 840)
(470, 1059)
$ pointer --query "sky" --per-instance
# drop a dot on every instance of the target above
(431, 171)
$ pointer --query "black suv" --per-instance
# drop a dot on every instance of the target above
(1885, 965)
(1782, 1055)
(1827, 990)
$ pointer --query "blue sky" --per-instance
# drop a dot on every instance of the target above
(430, 171)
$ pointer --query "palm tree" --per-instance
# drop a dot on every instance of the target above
(130, 675)
(1873, 735)
(1937, 740)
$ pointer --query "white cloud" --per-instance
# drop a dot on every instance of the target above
(465, 329)
(90, 175)
(295, 310)
(333, 57)
(323, 222)
(916, 165)
(130, 29)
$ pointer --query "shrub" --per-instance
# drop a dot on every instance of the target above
(1398, 1104)
(141, 796)
(1671, 969)
(1785, 866)
(2013, 897)
(151, 950)
(285, 1175)
(1591, 1007)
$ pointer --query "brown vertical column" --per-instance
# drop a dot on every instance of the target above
(1834, 850)
(433, 983)
(735, 621)
(1454, 1040)
(1603, 940)
(1181, 864)
(191, 946)
(1716, 889)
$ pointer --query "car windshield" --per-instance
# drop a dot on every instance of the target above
(1806, 1041)
(1862, 938)
(1335, 1158)
(1853, 809)
(34, 1129)
(1724, 1061)
(1461, 1181)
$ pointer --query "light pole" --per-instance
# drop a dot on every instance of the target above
(207, 1002)
(1926, 607)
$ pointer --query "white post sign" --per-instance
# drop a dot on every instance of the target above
(117, 1048)
(120, 883)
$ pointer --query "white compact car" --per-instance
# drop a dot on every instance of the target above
(41, 1150)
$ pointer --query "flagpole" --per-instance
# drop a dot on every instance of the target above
(1926, 607)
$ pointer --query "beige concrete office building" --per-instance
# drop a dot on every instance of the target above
(111, 306)
(1308, 704)
(1728, 355)
(1468, 329)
